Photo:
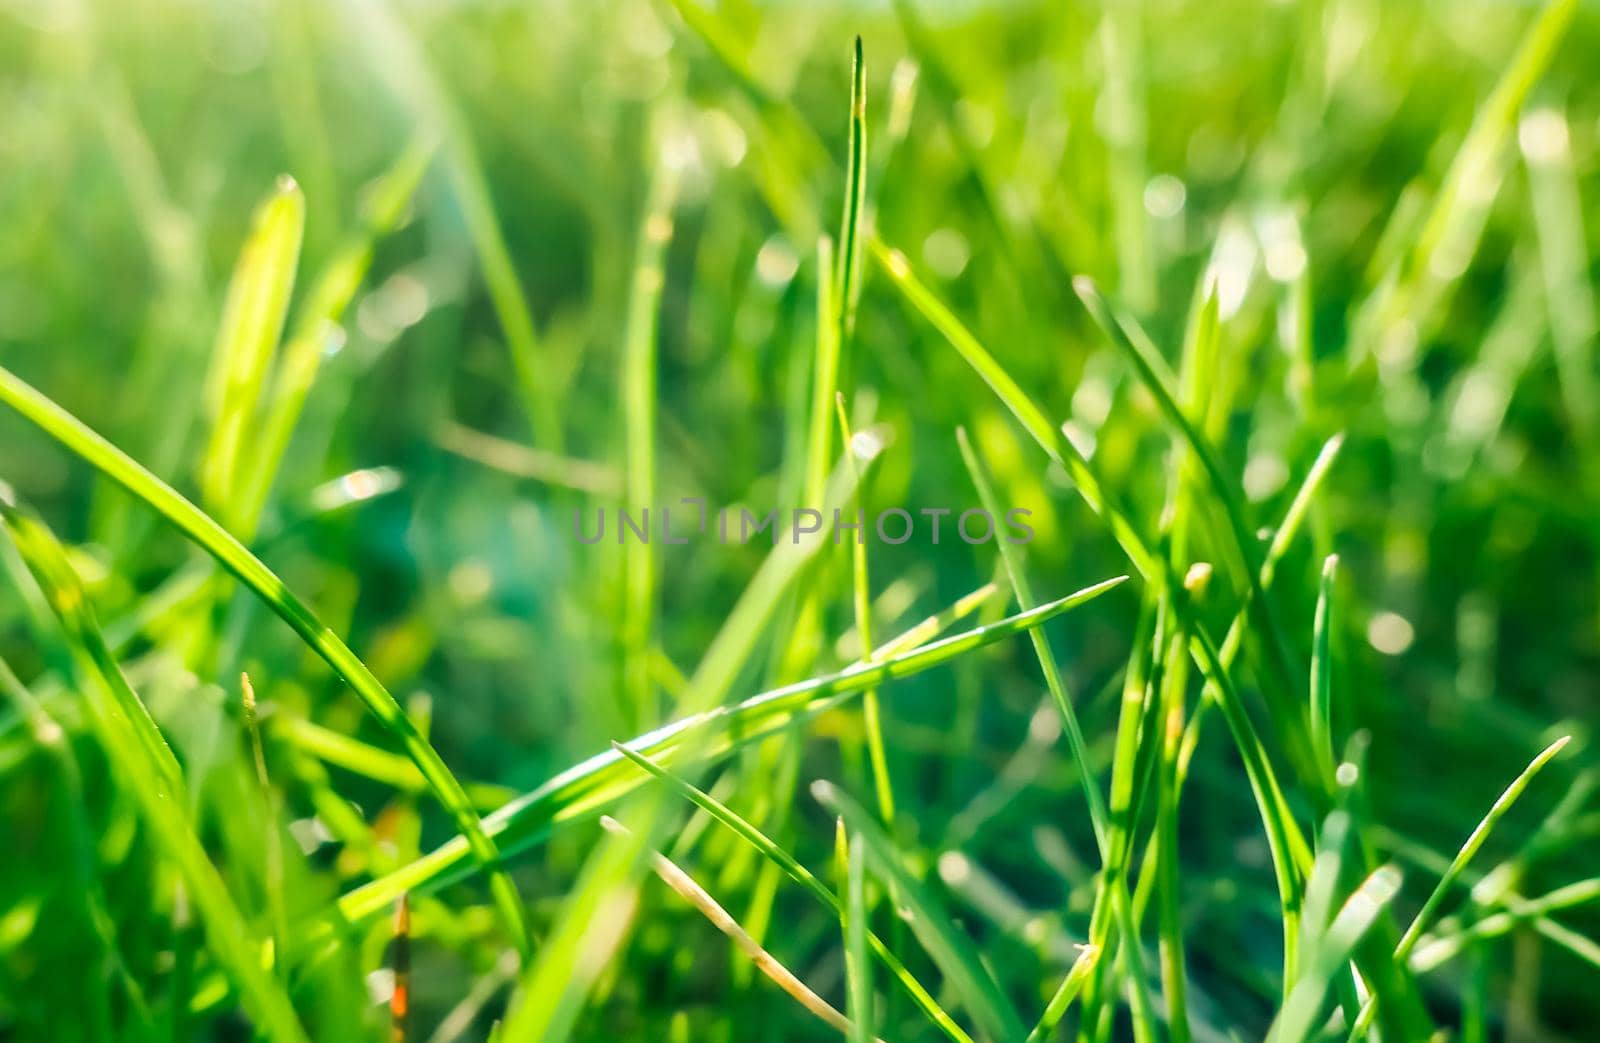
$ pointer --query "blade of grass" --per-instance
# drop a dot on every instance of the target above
(1288, 846)
(858, 974)
(639, 354)
(952, 953)
(1321, 729)
(590, 784)
(697, 896)
(148, 772)
(1458, 865)
(1114, 876)
(273, 876)
(861, 587)
(847, 280)
(233, 556)
(1055, 444)
(318, 322)
(1125, 334)
(357, 757)
(1299, 1018)
(759, 841)
(1065, 993)
(252, 321)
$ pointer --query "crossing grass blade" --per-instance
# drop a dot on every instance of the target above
(1288, 847)
(147, 772)
(232, 555)
(592, 784)
(368, 761)
(1331, 952)
(1114, 866)
(747, 832)
(952, 953)
(1124, 333)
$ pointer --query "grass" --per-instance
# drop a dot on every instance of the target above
(328, 331)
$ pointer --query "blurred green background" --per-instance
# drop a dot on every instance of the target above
(1295, 156)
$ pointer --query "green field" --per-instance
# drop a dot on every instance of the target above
(1215, 656)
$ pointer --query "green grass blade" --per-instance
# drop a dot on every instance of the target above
(585, 787)
(847, 280)
(858, 973)
(1065, 993)
(861, 589)
(952, 953)
(1470, 847)
(1322, 670)
(639, 364)
(1458, 865)
(148, 772)
(1115, 870)
(1050, 438)
(1299, 1018)
(319, 319)
(237, 559)
(357, 757)
(1023, 590)
(1131, 341)
(252, 321)
(759, 841)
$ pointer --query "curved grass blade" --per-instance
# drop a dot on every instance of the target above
(593, 783)
(953, 954)
(1457, 866)
(802, 876)
(148, 772)
(359, 758)
(237, 559)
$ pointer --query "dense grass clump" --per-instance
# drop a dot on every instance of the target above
(1228, 369)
